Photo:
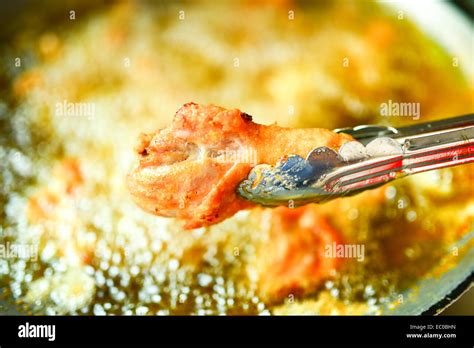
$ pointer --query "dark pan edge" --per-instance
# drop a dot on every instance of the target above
(452, 297)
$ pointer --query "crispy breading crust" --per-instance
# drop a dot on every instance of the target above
(191, 169)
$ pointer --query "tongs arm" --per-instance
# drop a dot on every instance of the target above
(362, 165)
(422, 152)
(366, 133)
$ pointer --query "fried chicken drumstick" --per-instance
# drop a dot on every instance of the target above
(190, 170)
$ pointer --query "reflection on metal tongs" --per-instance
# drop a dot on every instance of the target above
(378, 155)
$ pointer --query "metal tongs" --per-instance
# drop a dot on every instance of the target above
(378, 155)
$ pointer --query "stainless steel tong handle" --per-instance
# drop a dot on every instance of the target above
(434, 149)
(366, 133)
(325, 174)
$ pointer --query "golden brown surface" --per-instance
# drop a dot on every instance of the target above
(191, 169)
(293, 262)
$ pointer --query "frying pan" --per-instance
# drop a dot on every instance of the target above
(429, 296)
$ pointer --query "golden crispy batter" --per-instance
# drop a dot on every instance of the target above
(191, 169)
(293, 260)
